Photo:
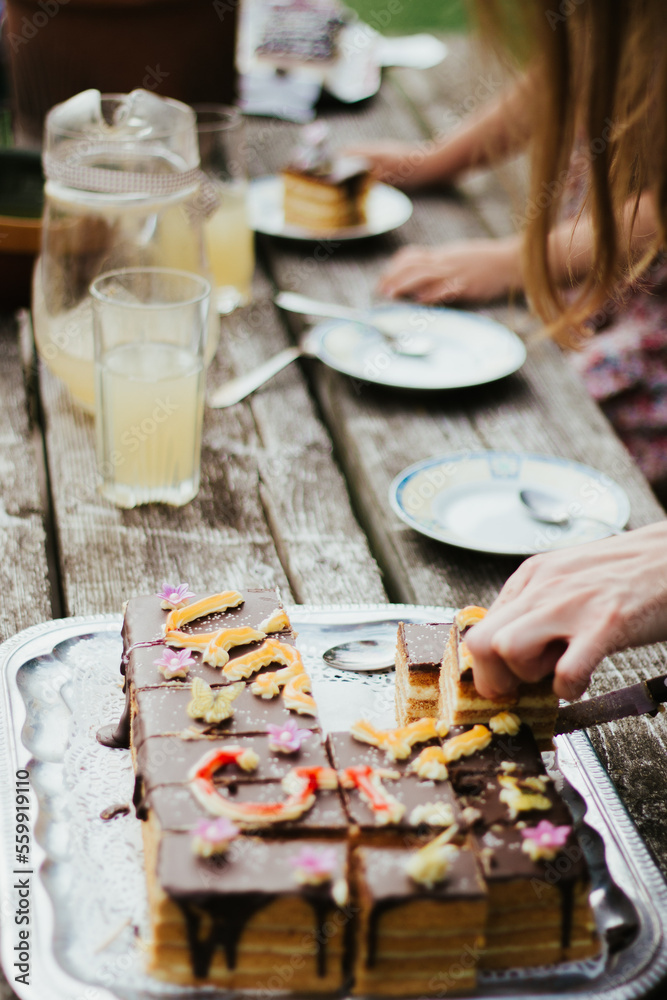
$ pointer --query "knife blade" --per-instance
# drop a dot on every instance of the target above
(643, 698)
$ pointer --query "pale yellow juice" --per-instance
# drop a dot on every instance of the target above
(86, 235)
(149, 408)
(230, 247)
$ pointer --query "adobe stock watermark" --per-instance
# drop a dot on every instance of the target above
(31, 26)
(564, 10)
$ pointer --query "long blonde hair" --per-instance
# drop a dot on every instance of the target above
(600, 68)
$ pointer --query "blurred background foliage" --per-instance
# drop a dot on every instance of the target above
(398, 17)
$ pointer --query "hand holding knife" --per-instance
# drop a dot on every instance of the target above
(643, 698)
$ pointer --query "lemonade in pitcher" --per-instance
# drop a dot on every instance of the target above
(122, 179)
(230, 249)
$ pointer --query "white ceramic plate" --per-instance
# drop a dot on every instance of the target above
(471, 500)
(386, 209)
(469, 349)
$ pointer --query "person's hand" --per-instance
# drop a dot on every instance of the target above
(469, 271)
(398, 163)
(566, 610)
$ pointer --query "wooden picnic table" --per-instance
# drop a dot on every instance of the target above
(295, 478)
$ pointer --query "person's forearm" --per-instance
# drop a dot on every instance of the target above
(570, 245)
(493, 132)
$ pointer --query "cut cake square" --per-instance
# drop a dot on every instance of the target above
(460, 702)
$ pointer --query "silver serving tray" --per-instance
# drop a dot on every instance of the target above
(59, 682)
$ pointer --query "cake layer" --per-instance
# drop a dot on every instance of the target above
(538, 907)
(325, 201)
(419, 653)
(410, 933)
(163, 711)
(168, 760)
(233, 915)
(460, 703)
(145, 620)
(249, 908)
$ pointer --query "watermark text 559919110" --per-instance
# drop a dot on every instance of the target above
(23, 874)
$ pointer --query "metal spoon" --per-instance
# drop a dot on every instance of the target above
(362, 656)
(412, 345)
(549, 509)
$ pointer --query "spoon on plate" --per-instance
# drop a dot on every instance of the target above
(406, 342)
(362, 656)
(551, 510)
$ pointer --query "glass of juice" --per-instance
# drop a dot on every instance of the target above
(223, 196)
(149, 327)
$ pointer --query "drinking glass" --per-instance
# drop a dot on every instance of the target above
(227, 234)
(149, 327)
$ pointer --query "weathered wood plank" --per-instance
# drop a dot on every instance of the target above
(23, 568)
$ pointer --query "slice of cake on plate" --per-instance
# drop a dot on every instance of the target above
(323, 192)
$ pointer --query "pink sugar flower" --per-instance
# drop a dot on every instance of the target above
(213, 836)
(174, 597)
(546, 835)
(314, 866)
(174, 663)
(288, 737)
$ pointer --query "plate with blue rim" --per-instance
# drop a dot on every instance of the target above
(471, 500)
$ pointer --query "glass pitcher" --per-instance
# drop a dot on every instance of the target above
(122, 181)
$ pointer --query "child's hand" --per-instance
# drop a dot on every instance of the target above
(470, 271)
(400, 164)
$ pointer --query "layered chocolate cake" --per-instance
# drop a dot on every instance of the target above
(323, 192)
(419, 653)
(374, 859)
(538, 889)
(417, 924)
(460, 701)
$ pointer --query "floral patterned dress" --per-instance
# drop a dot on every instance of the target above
(624, 366)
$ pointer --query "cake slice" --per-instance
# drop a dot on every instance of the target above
(419, 653)
(263, 912)
(460, 702)
(419, 934)
(322, 191)
(538, 885)
(327, 200)
(385, 799)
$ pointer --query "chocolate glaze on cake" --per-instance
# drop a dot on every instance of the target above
(389, 885)
(483, 793)
(410, 790)
(517, 755)
(144, 620)
(504, 860)
(162, 711)
(219, 896)
(166, 761)
(176, 808)
(424, 645)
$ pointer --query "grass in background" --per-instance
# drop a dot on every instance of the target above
(404, 17)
